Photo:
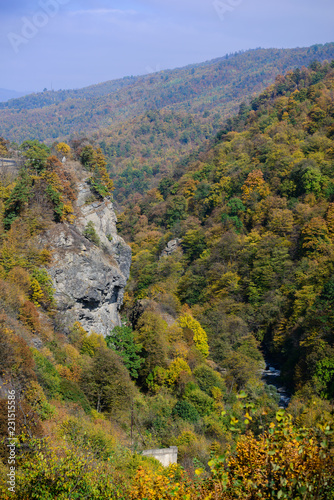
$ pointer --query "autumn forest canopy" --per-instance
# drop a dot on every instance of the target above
(230, 219)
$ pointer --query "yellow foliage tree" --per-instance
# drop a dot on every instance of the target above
(189, 188)
(285, 462)
(304, 299)
(255, 186)
(68, 214)
(315, 235)
(20, 277)
(177, 366)
(91, 343)
(280, 221)
(199, 336)
(63, 148)
(77, 334)
(35, 396)
(36, 293)
(164, 484)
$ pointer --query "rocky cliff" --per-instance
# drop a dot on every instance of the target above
(89, 278)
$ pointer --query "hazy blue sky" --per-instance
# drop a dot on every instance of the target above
(74, 43)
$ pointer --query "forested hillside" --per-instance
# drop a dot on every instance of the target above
(232, 260)
(254, 215)
(142, 150)
(217, 85)
(146, 124)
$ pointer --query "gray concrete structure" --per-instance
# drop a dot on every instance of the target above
(166, 456)
(9, 166)
(8, 162)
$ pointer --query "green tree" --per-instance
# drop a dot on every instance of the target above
(87, 157)
(91, 234)
(106, 382)
(236, 207)
(122, 341)
(18, 199)
(207, 378)
(193, 243)
(176, 210)
(36, 154)
(151, 334)
(186, 411)
(324, 377)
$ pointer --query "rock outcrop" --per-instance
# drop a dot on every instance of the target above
(171, 247)
(89, 279)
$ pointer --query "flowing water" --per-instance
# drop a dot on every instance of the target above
(272, 376)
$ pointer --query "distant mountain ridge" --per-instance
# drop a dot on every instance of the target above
(6, 94)
(220, 84)
(49, 97)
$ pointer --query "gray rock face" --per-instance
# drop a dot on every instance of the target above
(171, 247)
(89, 280)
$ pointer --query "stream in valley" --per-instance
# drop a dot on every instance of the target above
(272, 376)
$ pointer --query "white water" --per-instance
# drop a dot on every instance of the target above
(271, 376)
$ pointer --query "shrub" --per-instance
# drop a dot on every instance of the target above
(207, 378)
(72, 392)
(35, 396)
(91, 234)
(29, 316)
(20, 277)
(186, 411)
(47, 375)
(89, 435)
(201, 401)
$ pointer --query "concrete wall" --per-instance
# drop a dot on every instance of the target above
(9, 166)
(166, 456)
(7, 162)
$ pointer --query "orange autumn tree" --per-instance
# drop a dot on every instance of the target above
(255, 187)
